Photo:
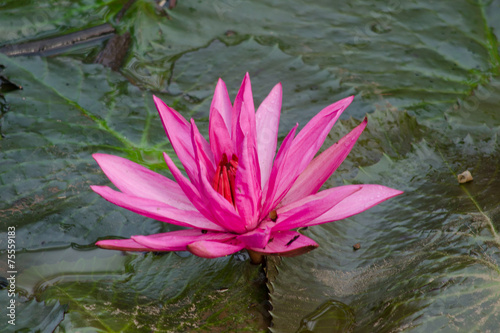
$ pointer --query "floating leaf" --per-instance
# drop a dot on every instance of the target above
(54, 126)
(429, 260)
(30, 315)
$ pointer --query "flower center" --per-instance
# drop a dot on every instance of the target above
(225, 175)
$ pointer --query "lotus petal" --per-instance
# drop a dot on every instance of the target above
(366, 198)
(210, 249)
(221, 104)
(267, 121)
(287, 244)
(180, 239)
(122, 245)
(248, 194)
(256, 238)
(134, 179)
(307, 143)
(323, 166)
(304, 210)
(238, 193)
(157, 210)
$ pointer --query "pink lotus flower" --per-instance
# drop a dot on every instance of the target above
(240, 194)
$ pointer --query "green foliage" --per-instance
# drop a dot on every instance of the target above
(427, 74)
(31, 315)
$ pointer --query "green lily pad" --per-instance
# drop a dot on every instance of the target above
(429, 259)
(29, 315)
(141, 293)
(31, 20)
(54, 126)
(50, 132)
(412, 56)
(426, 72)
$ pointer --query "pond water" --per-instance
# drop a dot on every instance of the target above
(427, 75)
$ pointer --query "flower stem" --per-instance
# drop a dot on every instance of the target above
(255, 257)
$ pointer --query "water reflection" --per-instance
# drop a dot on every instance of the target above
(37, 270)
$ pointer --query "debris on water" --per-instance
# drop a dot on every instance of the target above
(273, 215)
(356, 246)
(465, 177)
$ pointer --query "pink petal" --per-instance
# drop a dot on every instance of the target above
(248, 194)
(189, 189)
(178, 131)
(208, 249)
(156, 210)
(269, 199)
(367, 197)
(287, 244)
(223, 211)
(220, 140)
(256, 238)
(267, 121)
(302, 211)
(323, 166)
(180, 239)
(244, 121)
(221, 104)
(243, 103)
(307, 143)
(203, 156)
(248, 191)
(121, 244)
(245, 127)
(134, 179)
